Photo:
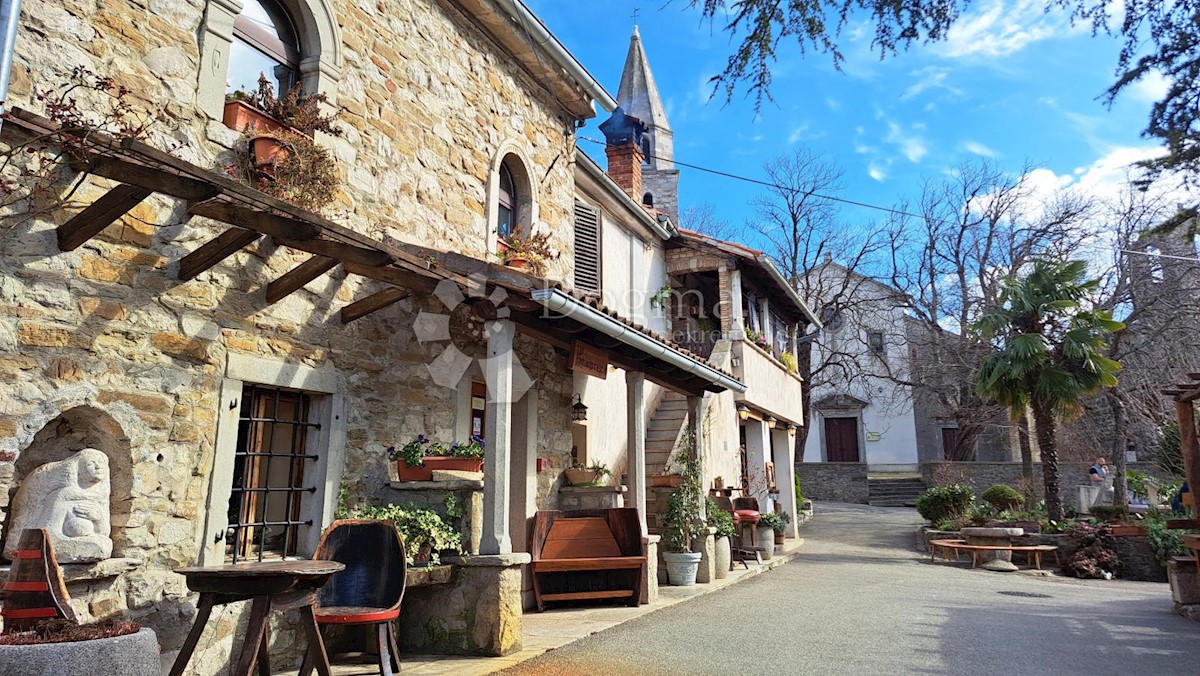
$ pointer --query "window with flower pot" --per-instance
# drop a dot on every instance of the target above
(264, 44)
(506, 207)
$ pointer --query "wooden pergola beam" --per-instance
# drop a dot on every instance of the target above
(267, 223)
(373, 303)
(99, 215)
(297, 277)
(347, 253)
(214, 251)
(148, 178)
(392, 275)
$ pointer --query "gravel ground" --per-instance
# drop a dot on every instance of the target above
(860, 599)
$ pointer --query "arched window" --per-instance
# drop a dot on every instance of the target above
(645, 149)
(506, 213)
(265, 42)
(648, 199)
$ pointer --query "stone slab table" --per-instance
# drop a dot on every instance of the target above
(999, 560)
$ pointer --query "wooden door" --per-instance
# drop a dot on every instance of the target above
(841, 439)
(950, 443)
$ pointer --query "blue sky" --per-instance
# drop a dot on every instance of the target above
(1012, 84)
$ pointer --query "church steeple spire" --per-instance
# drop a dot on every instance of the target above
(638, 96)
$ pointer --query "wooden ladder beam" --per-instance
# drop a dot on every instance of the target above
(298, 276)
(99, 215)
(376, 301)
(214, 251)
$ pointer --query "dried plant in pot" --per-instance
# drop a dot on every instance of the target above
(290, 166)
(594, 475)
(533, 253)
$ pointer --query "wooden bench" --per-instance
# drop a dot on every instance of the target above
(587, 554)
(1032, 552)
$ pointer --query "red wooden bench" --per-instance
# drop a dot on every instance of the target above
(587, 554)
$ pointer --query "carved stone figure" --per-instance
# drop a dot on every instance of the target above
(70, 499)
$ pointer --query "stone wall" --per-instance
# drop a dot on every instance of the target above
(428, 103)
(983, 475)
(834, 481)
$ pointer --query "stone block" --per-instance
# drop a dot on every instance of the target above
(707, 571)
(1185, 583)
(477, 613)
(104, 270)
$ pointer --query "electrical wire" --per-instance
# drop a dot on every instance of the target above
(777, 186)
(1160, 255)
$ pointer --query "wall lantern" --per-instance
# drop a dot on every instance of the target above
(743, 412)
(578, 409)
(772, 422)
(791, 428)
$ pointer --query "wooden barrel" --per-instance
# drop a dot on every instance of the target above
(34, 592)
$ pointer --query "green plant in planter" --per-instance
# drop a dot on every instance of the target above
(719, 519)
(945, 502)
(412, 452)
(1003, 497)
(423, 530)
(776, 521)
(471, 449)
(1165, 542)
(799, 493)
(659, 299)
(1110, 513)
(682, 523)
(789, 362)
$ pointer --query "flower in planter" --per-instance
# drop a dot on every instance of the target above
(411, 453)
(294, 109)
(471, 449)
(290, 166)
(534, 250)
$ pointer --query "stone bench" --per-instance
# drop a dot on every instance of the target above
(1032, 552)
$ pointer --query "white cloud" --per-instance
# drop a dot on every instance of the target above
(833, 103)
(877, 170)
(977, 148)
(1000, 28)
(928, 78)
(912, 145)
(1151, 88)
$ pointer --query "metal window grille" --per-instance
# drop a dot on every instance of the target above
(268, 476)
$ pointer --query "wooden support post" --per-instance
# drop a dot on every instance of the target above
(298, 276)
(376, 301)
(214, 251)
(1190, 450)
(99, 215)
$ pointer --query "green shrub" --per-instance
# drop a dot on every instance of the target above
(799, 493)
(423, 530)
(1003, 497)
(776, 521)
(945, 502)
(1165, 542)
(719, 519)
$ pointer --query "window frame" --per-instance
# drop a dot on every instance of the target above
(328, 407)
(269, 45)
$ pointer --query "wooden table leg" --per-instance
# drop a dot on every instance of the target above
(316, 646)
(189, 645)
(255, 634)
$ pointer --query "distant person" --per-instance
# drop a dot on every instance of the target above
(1098, 472)
(1177, 505)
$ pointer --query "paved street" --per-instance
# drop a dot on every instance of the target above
(861, 600)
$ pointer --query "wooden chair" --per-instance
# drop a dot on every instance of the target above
(370, 589)
(587, 554)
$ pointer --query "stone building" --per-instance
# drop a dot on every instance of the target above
(186, 326)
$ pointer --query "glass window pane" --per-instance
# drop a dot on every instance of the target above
(246, 64)
(504, 225)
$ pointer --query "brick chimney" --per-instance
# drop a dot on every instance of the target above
(625, 168)
(623, 136)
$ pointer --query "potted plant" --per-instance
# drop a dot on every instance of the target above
(463, 457)
(723, 522)
(765, 533)
(109, 646)
(1118, 520)
(426, 534)
(665, 480)
(259, 111)
(532, 253)
(594, 475)
(719, 483)
(777, 522)
(409, 460)
(682, 525)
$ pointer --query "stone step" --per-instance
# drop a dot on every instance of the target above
(661, 435)
(657, 423)
(670, 405)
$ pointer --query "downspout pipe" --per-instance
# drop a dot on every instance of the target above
(546, 40)
(568, 306)
(10, 17)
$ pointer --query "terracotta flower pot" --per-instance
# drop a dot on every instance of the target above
(517, 263)
(779, 538)
(241, 116)
(446, 462)
(579, 476)
(419, 473)
(1122, 530)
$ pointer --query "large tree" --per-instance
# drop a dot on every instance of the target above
(966, 239)
(1050, 354)
(1157, 36)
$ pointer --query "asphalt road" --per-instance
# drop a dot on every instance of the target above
(861, 600)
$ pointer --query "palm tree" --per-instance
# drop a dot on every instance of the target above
(1050, 354)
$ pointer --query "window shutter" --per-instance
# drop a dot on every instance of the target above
(587, 248)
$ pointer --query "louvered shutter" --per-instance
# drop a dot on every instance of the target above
(587, 248)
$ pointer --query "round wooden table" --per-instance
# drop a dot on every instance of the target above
(272, 585)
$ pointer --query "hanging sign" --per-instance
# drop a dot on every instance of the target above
(589, 360)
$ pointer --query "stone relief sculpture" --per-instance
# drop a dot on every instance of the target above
(70, 499)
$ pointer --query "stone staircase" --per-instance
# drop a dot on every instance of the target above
(900, 490)
(663, 431)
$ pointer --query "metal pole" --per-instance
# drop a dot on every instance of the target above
(10, 16)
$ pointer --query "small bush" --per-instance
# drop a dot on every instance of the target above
(719, 519)
(945, 502)
(1003, 497)
(1109, 513)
